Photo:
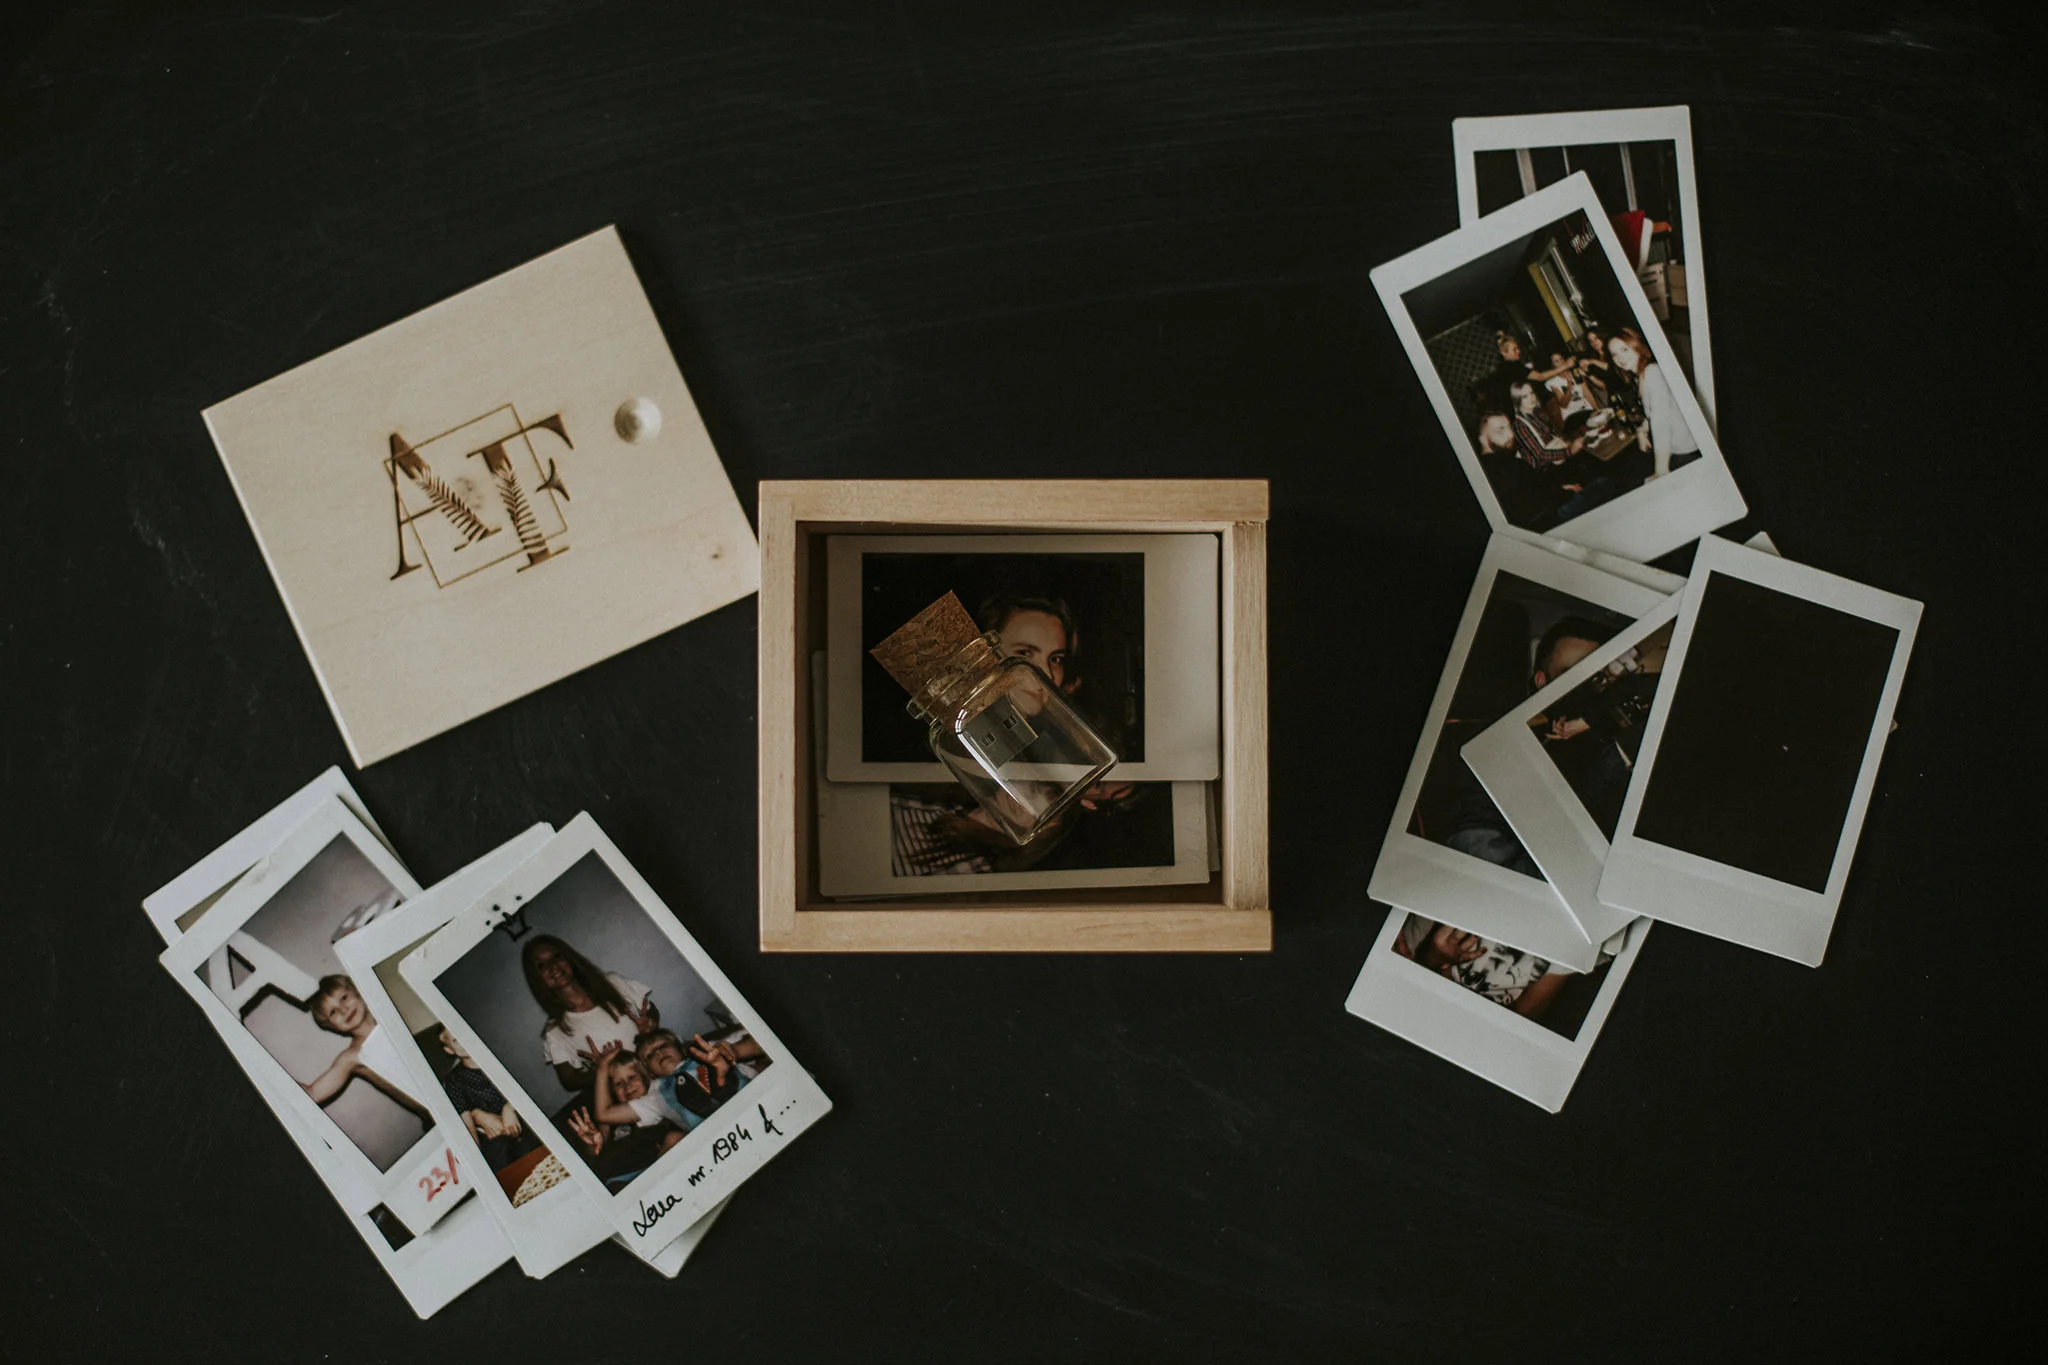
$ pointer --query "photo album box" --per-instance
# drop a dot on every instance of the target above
(1228, 912)
(486, 496)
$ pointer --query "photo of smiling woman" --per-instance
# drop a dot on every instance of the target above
(586, 1008)
(621, 1077)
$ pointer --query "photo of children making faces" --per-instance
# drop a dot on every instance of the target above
(590, 1006)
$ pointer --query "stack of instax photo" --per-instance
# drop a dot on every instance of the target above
(522, 1061)
(1125, 626)
(1610, 745)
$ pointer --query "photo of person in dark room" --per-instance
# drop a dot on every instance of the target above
(1539, 332)
(1593, 732)
(1637, 184)
(1528, 634)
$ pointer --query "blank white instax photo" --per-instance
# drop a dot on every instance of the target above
(1449, 854)
(1761, 751)
(1511, 323)
(1640, 163)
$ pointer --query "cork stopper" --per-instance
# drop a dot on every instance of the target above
(921, 647)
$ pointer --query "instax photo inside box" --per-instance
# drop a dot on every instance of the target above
(1127, 627)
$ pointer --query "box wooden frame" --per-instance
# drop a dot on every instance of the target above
(1231, 913)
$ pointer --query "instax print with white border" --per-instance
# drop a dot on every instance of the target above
(600, 897)
(558, 1223)
(1486, 1036)
(1547, 812)
(1754, 778)
(429, 1270)
(1660, 512)
(1428, 875)
(189, 894)
(1617, 128)
(1547, 815)
(315, 883)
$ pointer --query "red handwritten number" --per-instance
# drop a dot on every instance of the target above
(439, 1178)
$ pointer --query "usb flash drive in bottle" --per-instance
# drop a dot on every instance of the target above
(1001, 727)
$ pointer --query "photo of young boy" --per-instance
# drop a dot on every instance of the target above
(338, 1008)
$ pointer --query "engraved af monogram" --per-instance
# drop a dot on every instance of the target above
(461, 492)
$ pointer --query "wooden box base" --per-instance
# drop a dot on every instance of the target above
(1229, 914)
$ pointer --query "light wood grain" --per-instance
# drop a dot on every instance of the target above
(1231, 914)
(1243, 816)
(1094, 504)
(548, 541)
(1107, 928)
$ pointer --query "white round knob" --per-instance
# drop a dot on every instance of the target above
(637, 420)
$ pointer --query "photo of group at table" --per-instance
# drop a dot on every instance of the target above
(1562, 397)
(591, 1008)
(1541, 992)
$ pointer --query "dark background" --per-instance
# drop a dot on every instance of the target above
(935, 241)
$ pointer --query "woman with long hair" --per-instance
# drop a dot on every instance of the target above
(586, 1008)
(1665, 433)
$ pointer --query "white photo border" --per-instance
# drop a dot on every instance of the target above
(671, 1197)
(1440, 883)
(1713, 898)
(432, 1269)
(1540, 806)
(1641, 524)
(1485, 1038)
(1667, 123)
(198, 885)
(1183, 646)
(558, 1226)
(221, 930)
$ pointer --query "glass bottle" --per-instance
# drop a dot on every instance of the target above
(1007, 734)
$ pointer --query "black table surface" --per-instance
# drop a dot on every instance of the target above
(935, 241)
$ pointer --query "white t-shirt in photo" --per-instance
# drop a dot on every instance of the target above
(563, 1046)
(380, 1054)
